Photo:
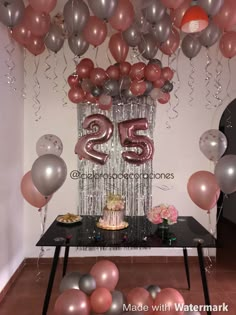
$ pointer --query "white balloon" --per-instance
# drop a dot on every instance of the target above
(49, 144)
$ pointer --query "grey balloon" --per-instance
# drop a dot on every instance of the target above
(96, 91)
(111, 87)
(212, 7)
(118, 301)
(54, 39)
(78, 44)
(225, 173)
(191, 46)
(11, 12)
(148, 46)
(87, 284)
(76, 15)
(149, 87)
(103, 9)
(156, 62)
(153, 290)
(210, 35)
(70, 281)
(161, 31)
(154, 12)
(167, 87)
(128, 94)
(132, 35)
(48, 173)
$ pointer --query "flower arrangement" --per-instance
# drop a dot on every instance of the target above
(163, 213)
(115, 202)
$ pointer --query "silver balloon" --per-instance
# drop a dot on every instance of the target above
(54, 39)
(49, 144)
(213, 144)
(87, 284)
(96, 91)
(11, 12)
(132, 35)
(78, 44)
(111, 87)
(70, 281)
(225, 173)
(191, 46)
(148, 46)
(161, 31)
(155, 62)
(212, 7)
(124, 83)
(210, 35)
(167, 87)
(103, 9)
(76, 15)
(118, 301)
(154, 12)
(149, 87)
(128, 94)
(153, 290)
(48, 173)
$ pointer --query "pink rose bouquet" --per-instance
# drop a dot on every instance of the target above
(163, 213)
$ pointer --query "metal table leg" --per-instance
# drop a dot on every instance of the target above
(65, 262)
(51, 280)
(186, 266)
(203, 276)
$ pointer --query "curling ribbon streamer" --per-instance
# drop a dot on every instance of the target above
(191, 82)
(65, 98)
(207, 79)
(47, 62)
(36, 89)
(175, 59)
(217, 79)
(55, 84)
(9, 48)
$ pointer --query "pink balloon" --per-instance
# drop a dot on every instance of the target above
(31, 193)
(90, 98)
(164, 98)
(95, 31)
(101, 300)
(172, 43)
(104, 102)
(72, 302)
(226, 17)
(73, 80)
(172, 4)
(83, 70)
(35, 45)
(167, 73)
(113, 72)
(118, 47)
(138, 87)
(159, 83)
(106, 274)
(88, 62)
(137, 71)
(228, 44)
(152, 72)
(203, 189)
(43, 6)
(123, 16)
(21, 34)
(177, 14)
(76, 95)
(168, 297)
(38, 23)
(98, 76)
(140, 297)
(125, 68)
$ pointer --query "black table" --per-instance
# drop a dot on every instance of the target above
(139, 234)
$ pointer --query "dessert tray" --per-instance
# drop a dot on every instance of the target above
(102, 225)
(68, 218)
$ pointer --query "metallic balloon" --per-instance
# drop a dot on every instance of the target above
(103, 9)
(77, 44)
(111, 87)
(154, 12)
(118, 301)
(213, 144)
(54, 39)
(76, 15)
(148, 46)
(212, 7)
(128, 94)
(87, 284)
(149, 87)
(155, 62)
(225, 173)
(161, 31)
(48, 173)
(210, 35)
(191, 46)
(153, 290)
(11, 12)
(49, 144)
(124, 83)
(167, 87)
(132, 35)
(96, 91)
(70, 281)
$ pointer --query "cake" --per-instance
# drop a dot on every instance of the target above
(113, 214)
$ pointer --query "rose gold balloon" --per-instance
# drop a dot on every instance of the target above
(167, 73)
(164, 98)
(38, 23)
(152, 72)
(118, 47)
(44, 6)
(113, 72)
(159, 83)
(228, 44)
(98, 76)
(140, 297)
(83, 70)
(95, 31)
(21, 34)
(106, 274)
(88, 62)
(172, 4)
(138, 87)
(172, 43)
(177, 14)
(90, 98)
(86, 85)
(137, 71)
(76, 95)
(105, 102)
(73, 80)
(35, 45)
(125, 68)
(101, 300)
(168, 297)
(123, 16)
(203, 189)
(225, 18)
(31, 193)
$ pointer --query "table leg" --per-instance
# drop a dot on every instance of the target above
(65, 262)
(51, 280)
(186, 266)
(203, 276)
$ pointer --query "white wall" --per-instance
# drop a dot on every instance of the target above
(11, 158)
(176, 140)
